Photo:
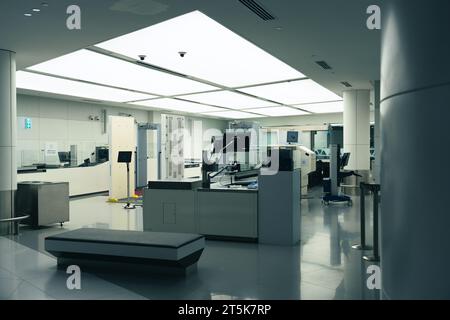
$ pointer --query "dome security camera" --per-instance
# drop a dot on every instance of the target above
(142, 57)
(182, 53)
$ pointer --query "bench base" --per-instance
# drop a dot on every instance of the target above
(101, 263)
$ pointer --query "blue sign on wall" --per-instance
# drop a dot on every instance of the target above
(28, 123)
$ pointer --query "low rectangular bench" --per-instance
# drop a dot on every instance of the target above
(106, 250)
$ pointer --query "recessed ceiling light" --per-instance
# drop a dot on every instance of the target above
(231, 114)
(228, 99)
(38, 82)
(177, 105)
(215, 53)
(278, 111)
(293, 92)
(27, 14)
(44, 4)
(36, 10)
(326, 107)
(94, 67)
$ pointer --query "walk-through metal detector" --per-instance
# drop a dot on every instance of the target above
(144, 152)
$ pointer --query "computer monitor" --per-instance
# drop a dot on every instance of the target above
(101, 154)
(344, 159)
(124, 157)
(64, 157)
(292, 137)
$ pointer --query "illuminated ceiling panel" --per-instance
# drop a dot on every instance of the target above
(228, 99)
(232, 114)
(294, 92)
(213, 52)
(37, 82)
(327, 107)
(278, 111)
(95, 67)
(177, 105)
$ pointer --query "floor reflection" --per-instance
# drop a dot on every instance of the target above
(322, 266)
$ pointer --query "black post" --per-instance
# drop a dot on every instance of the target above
(375, 225)
(128, 184)
(376, 254)
(129, 205)
(16, 228)
(362, 200)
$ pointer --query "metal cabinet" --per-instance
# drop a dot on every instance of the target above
(46, 202)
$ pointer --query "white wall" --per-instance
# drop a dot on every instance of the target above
(122, 137)
(64, 122)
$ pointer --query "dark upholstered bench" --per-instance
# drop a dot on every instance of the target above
(106, 250)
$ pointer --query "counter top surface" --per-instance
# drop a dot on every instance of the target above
(226, 189)
(183, 184)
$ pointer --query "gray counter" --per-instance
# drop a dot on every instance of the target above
(228, 212)
(270, 214)
(279, 208)
(218, 212)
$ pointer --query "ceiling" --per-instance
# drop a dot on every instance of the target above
(304, 31)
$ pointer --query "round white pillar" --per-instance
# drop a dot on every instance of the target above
(415, 176)
(357, 129)
(8, 119)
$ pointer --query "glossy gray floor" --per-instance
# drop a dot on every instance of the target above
(323, 266)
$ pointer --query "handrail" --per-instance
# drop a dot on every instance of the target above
(15, 222)
(15, 219)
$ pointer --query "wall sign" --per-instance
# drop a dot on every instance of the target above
(28, 123)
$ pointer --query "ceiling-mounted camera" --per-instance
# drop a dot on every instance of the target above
(142, 57)
(182, 53)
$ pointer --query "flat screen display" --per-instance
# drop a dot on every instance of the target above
(292, 137)
(124, 157)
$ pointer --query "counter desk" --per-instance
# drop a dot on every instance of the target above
(82, 180)
(184, 206)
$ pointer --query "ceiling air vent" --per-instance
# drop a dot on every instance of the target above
(346, 84)
(324, 65)
(257, 9)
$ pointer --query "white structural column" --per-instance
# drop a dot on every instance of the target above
(415, 175)
(357, 128)
(377, 131)
(8, 165)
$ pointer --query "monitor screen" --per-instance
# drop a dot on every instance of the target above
(101, 154)
(344, 159)
(64, 156)
(292, 137)
(124, 156)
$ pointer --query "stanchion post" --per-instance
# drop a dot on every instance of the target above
(376, 253)
(362, 200)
